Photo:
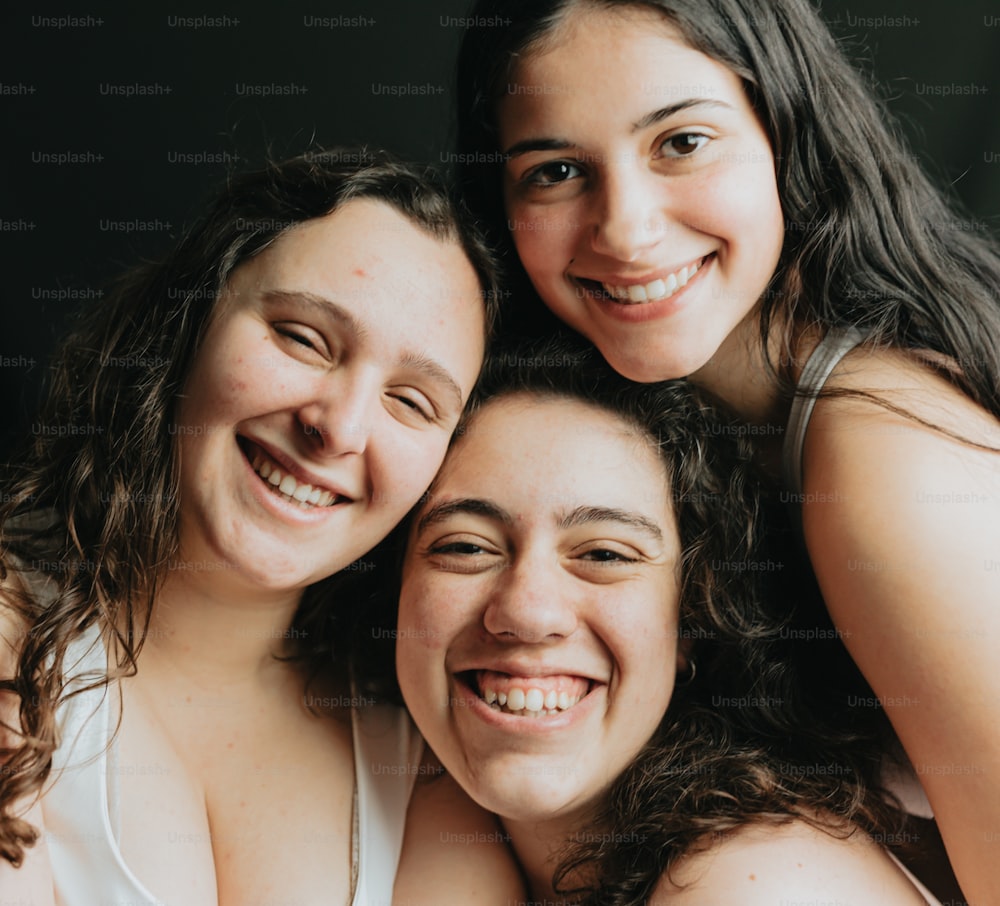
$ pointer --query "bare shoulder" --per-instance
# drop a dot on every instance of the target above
(902, 525)
(897, 513)
(454, 851)
(766, 865)
(886, 497)
(912, 386)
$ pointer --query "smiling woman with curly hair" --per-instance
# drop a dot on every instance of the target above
(226, 433)
(601, 647)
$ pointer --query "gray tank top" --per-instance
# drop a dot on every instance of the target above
(825, 357)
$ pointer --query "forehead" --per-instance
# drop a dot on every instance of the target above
(539, 453)
(634, 54)
(369, 259)
(363, 238)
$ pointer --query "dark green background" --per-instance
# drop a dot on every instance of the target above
(62, 255)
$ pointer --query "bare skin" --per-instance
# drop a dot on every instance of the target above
(603, 188)
(498, 581)
(237, 781)
(764, 865)
(907, 561)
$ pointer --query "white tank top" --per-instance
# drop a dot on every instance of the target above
(80, 803)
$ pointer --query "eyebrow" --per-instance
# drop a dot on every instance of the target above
(473, 505)
(584, 515)
(435, 371)
(561, 144)
(657, 116)
(327, 308)
(537, 144)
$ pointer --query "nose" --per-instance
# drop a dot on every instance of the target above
(631, 216)
(339, 416)
(532, 602)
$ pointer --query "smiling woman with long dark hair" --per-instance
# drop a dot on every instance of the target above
(709, 189)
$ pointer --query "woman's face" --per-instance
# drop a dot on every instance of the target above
(321, 401)
(640, 190)
(537, 637)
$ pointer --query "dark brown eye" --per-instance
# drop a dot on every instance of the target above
(684, 144)
(553, 172)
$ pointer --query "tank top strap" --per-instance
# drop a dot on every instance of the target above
(387, 754)
(825, 357)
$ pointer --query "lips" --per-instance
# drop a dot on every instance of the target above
(633, 292)
(279, 478)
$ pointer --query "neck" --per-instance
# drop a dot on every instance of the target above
(218, 631)
(540, 848)
(738, 375)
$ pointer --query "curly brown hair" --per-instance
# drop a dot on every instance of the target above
(768, 728)
(92, 504)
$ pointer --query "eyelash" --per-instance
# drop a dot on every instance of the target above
(697, 135)
(536, 176)
(617, 556)
(300, 339)
(296, 337)
(453, 547)
(469, 549)
(429, 417)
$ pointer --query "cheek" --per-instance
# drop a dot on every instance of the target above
(402, 467)
(429, 615)
(741, 204)
(543, 237)
(420, 647)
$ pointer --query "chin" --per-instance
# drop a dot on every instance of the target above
(269, 568)
(651, 365)
(646, 370)
(530, 802)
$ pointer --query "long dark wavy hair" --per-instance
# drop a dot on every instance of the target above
(869, 241)
(90, 509)
(769, 727)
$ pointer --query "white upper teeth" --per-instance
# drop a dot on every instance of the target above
(534, 701)
(658, 289)
(305, 494)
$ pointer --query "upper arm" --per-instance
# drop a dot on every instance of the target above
(454, 852)
(768, 865)
(32, 882)
(903, 532)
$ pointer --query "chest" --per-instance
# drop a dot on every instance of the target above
(223, 799)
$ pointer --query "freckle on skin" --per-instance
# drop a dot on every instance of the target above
(753, 877)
